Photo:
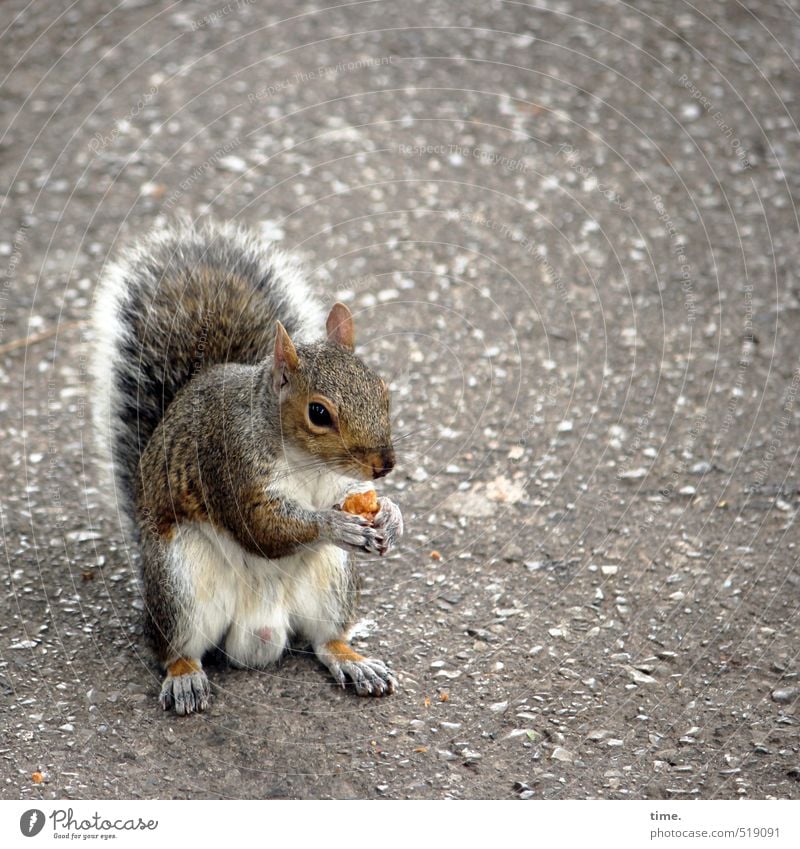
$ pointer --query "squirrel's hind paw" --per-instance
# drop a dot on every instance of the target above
(185, 689)
(370, 676)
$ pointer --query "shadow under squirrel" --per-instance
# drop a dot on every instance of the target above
(234, 418)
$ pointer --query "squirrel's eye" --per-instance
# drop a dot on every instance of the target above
(319, 415)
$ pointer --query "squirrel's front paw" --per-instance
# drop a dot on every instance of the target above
(389, 520)
(348, 530)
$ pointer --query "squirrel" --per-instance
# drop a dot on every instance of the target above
(234, 418)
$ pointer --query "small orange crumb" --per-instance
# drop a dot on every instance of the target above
(427, 702)
(435, 555)
(444, 697)
(421, 749)
(37, 778)
(362, 504)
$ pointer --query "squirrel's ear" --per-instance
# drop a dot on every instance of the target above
(340, 326)
(286, 359)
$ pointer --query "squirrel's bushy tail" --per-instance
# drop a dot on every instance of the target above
(182, 300)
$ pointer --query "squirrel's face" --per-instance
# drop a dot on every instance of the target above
(333, 406)
(338, 410)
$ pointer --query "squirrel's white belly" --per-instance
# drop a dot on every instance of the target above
(250, 605)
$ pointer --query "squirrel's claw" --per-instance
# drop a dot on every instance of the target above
(370, 677)
(389, 520)
(381, 679)
(353, 532)
(338, 673)
(185, 694)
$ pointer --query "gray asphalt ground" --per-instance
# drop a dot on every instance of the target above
(569, 235)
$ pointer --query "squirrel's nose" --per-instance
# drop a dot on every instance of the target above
(383, 464)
